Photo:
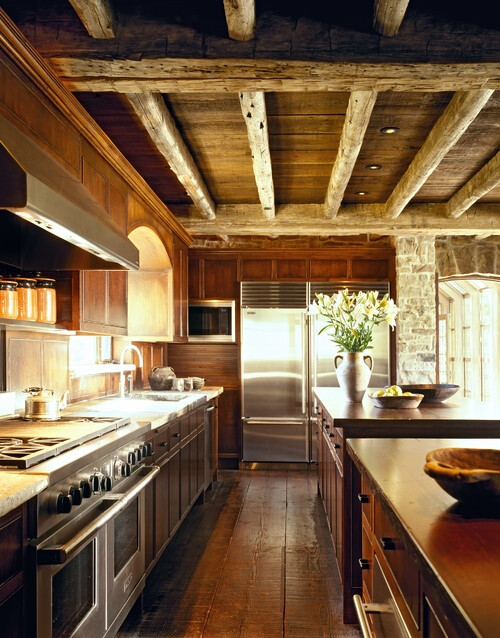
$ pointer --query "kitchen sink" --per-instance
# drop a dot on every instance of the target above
(160, 396)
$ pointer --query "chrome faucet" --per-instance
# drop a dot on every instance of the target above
(130, 346)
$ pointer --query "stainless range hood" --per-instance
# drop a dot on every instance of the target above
(49, 220)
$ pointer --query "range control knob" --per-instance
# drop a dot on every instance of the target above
(148, 449)
(76, 495)
(64, 503)
(106, 484)
(138, 454)
(126, 469)
(86, 489)
(95, 482)
(132, 459)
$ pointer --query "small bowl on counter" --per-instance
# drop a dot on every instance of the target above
(397, 402)
(470, 475)
(432, 392)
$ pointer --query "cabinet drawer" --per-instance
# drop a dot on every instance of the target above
(366, 564)
(161, 444)
(11, 541)
(174, 434)
(405, 571)
(365, 497)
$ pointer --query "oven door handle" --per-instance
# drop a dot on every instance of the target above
(59, 554)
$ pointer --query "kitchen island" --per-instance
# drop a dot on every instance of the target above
(339, 481)
(443, 564)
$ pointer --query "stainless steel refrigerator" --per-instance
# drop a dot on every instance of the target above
(282, 359)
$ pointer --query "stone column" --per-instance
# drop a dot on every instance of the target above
(416, 298)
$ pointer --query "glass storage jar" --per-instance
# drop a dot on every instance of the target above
(46, 299)
(8, 299)
(26, 298)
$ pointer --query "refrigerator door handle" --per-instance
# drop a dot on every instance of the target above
(304, 363)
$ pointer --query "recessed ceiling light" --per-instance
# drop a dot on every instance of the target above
(373, 167)
(361, 193)
(389, 130)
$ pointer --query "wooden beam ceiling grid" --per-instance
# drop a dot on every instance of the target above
(160, 125)
(356, 121)
(115, 115)
(388, 16)
(253, 109)
(478, 144)
(482, 182)
(181, 75)
(457, 117)
(240, 18)
(414, 114)
(97, 17)
(214, 130)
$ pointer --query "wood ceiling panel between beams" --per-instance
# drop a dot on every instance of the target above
(458, 115)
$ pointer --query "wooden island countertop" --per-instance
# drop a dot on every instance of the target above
(454, 547)
(455, 417)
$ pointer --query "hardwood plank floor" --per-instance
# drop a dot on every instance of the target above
(254, 561)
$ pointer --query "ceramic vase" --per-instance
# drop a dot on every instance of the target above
(353, 374)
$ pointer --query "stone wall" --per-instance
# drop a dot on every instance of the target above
(416, 298)
(467, 256)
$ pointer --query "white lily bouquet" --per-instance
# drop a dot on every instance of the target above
(350, 318)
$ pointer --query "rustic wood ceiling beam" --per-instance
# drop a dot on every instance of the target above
(186, 75)
(352, 219)
(253, 107)
(455, 120)
(240, 18)
(482, 182)
(97, 17)
(388, 16)
(357, 117)
(159, 123)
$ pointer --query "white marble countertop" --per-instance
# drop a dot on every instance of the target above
(15, 489)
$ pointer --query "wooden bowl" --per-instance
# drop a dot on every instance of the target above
(397, 402)
(468, 474)
(433, 392)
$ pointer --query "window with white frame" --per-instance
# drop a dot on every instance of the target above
(469, 339)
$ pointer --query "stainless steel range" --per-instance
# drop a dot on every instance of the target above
(88, 526)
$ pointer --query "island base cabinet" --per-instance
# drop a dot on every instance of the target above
(391, 577)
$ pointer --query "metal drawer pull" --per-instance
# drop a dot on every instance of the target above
(387, 542)
(364, 563)
(363, 498)
(176, 435)
(362, 609)
(336, 446)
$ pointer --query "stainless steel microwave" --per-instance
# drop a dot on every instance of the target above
(211, 320)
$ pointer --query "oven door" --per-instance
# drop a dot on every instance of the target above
(88, 568)
(125, 556)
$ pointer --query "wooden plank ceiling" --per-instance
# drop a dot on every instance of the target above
(267, 117)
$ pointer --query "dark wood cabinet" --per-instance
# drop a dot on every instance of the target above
(180, 287)
(179, 451)
(93, 301)
(13, 541)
